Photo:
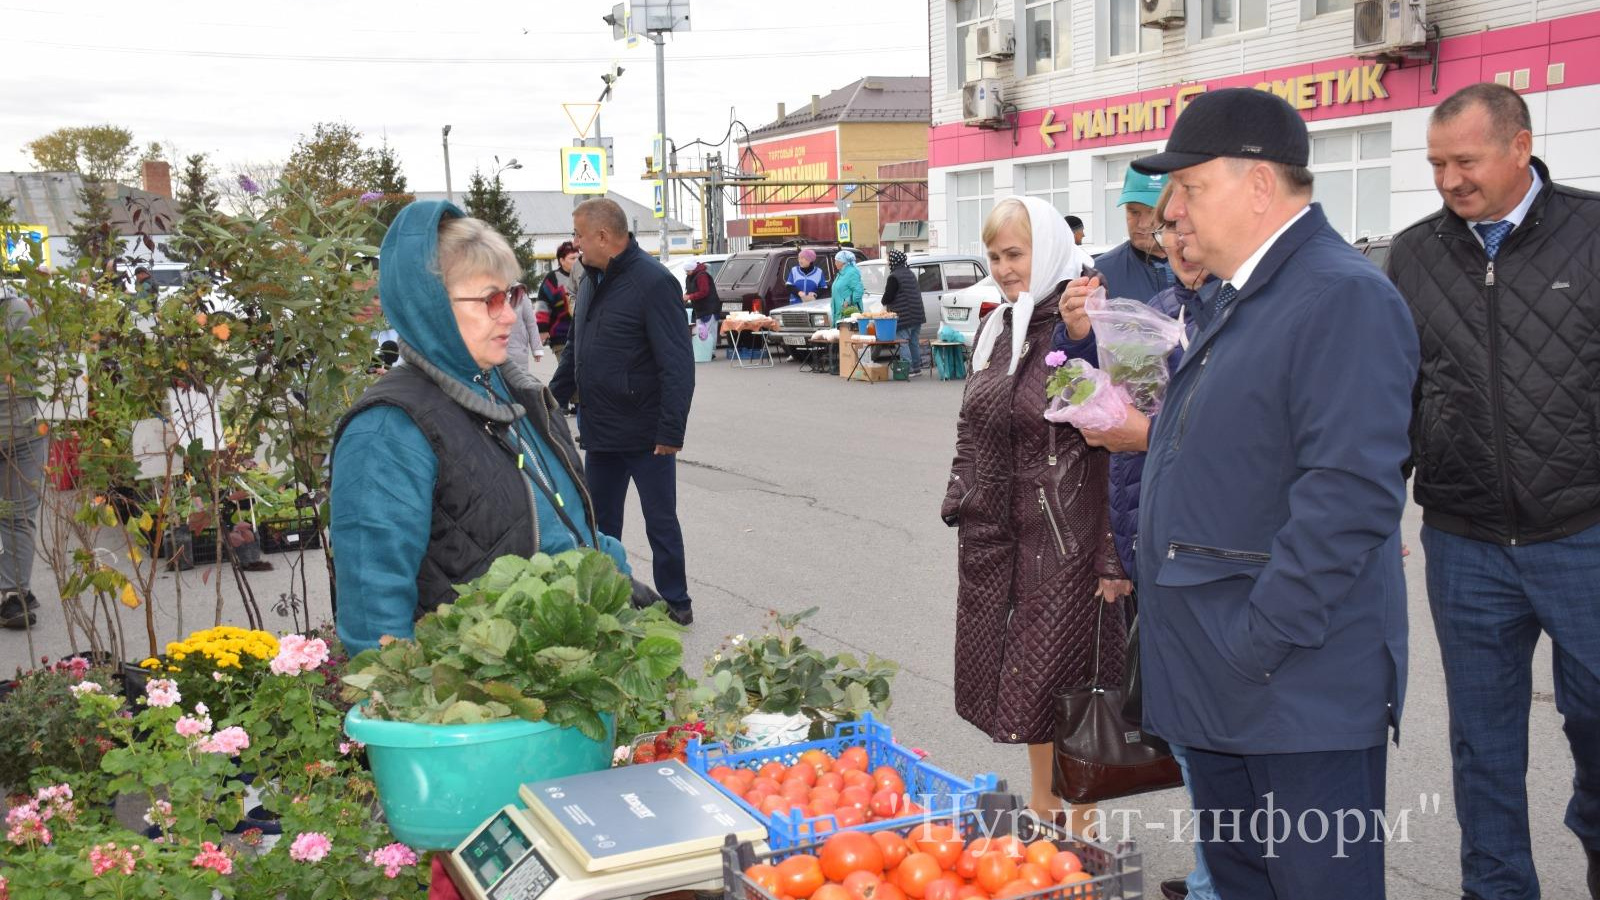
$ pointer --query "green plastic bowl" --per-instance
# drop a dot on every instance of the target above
(438, 782)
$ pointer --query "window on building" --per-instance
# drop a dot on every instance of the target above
(974, 197)
(1048, 182)
(968, 14)
(1219, 17)
(1313, 8)
(1047, 35)
(1352, 171)
(1125, 36)
(1113, 228)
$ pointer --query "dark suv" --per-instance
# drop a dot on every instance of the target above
(757, 280)
(1375, 248)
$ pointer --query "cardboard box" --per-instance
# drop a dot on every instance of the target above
(874, 372)
(847, 352)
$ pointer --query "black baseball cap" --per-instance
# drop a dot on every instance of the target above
(1239, 122)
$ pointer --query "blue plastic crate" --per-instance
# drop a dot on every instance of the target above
(939, 792)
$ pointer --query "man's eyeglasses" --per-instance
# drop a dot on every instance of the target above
(496, 302)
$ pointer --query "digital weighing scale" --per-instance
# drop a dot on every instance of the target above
(626, 832)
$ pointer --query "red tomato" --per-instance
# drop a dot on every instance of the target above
(803, 772)
(857, 797)
(1009, 846)
(853, 758)
(945, 887)
(1014, 889)
(817, 760)
(888, 778)
(894, 848)
(916, 873)
(825, 793)
(796, 789)
(1077, 878)
(995, 871)
(764, 875)
(821, 807)
(769, 785)
(1041, 852)
(939, 841)
(1063, 864)
(888, 804)
(966, 867)
(774, 770)
(849, 817)
(1036, 875)
(832, 780)
(863, 885)
(850, 851)
(858, 778)
(800, 876)
(890, 891)
(719, 773)
(831, 892)
(972, 892)
(772, 803)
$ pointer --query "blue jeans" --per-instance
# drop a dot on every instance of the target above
(656, 477)
(913, 336)
(1489, 604)
(21, 477)
(1199, 880)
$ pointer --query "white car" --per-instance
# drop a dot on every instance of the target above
(964, 310)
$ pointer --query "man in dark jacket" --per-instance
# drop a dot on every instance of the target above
(702, 292)
(1272, 602)
(1137, 268)
(903, 297)
(1504, 284)
(630, 360)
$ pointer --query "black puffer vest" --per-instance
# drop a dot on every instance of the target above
(483, 506)
(1507, 418)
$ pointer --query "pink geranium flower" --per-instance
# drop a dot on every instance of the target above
(393, 858)
(212, 857)
(229, 740)
(1055, 359)
(105, 857)
(162, 692)
(296, 654)
(310, 847)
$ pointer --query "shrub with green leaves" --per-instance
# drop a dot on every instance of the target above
(546, 638)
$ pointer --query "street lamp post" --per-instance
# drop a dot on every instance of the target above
(661, 17)
(448, 191)
(661, 129)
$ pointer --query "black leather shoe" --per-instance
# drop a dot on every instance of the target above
(16, 610)
(1594, 874)
(683, 615)
(1174, 889)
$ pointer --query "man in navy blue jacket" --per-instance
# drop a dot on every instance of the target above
(629, 362)
(1271, 595)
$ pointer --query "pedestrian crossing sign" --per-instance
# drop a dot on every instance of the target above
(660, 201)
(844, 231)
(583, 170)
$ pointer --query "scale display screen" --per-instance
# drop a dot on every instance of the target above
(503, 862)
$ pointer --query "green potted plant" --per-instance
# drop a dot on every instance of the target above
(775, 689)
(534, 672)
(40, 728)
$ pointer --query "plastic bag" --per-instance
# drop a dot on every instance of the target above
(1134, 341)
(950, 334)
(1087, 398)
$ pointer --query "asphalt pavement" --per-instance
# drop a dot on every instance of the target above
(799, 490)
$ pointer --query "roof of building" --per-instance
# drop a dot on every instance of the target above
(550, 212)
(896, 98)
(51, 199)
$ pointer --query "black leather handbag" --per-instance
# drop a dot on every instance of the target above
(1099, 753)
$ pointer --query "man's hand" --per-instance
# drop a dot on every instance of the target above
(1132, 435)
(664, 450)
(1072, 312)
(1113, 589)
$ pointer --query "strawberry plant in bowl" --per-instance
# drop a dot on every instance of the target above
(534, 672)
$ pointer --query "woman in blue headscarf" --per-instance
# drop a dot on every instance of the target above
(847, 287)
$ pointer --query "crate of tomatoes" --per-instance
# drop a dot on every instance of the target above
(858, 779)
(996, 851)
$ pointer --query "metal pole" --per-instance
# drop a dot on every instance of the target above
(448, 191)
(661, 129)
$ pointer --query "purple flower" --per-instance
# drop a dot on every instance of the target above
(372, 196)
(1055, 358)
(249, 185)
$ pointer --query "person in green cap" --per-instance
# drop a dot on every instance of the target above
(1137, 268)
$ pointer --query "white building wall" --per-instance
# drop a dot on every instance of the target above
(1566, 121)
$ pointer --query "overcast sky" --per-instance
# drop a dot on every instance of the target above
(242, 80)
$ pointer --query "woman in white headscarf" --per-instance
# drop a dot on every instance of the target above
(1029, 498)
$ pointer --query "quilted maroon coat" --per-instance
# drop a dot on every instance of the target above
(1030, 499)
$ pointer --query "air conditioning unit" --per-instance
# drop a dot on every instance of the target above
(995, 39)
(980, 102)
(1384, 27)
(1161, 13)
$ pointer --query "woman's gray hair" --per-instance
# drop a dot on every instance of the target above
(470, 247)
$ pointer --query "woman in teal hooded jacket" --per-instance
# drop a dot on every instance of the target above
(453, 459)
(847, 287)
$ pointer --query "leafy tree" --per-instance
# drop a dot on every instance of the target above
(197, 205)
(331, 163)
(97, 152)
(388, 180)
(93, 237)
(8, 211)
(487, 200)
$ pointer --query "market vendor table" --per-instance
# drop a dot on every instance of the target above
(764, 329)
(863, 350)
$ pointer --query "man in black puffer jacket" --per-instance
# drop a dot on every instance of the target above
(1504, 285)
(902, 297)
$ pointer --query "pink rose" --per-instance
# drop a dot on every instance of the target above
(1055, 359)
(310, 847)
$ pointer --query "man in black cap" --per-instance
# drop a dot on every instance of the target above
(1273, 633)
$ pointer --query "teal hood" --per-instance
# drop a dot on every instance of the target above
(413, 294)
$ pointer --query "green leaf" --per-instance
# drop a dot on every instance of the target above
(565, 659)
(489, 640)
(659, 656)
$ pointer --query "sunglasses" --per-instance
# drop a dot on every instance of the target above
(497, 301)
